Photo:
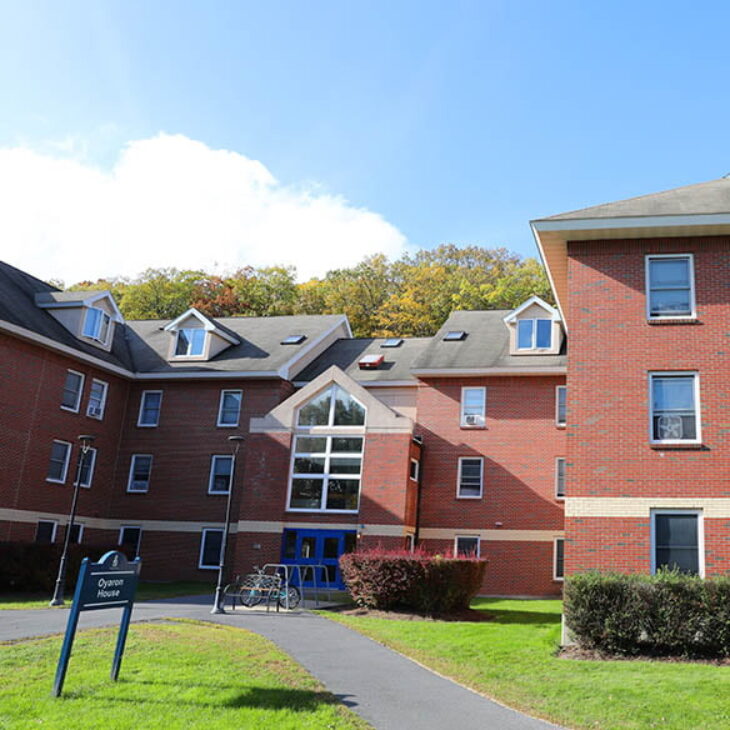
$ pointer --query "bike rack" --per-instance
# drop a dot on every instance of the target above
(302, 570)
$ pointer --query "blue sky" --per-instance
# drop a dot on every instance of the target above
(455, 121)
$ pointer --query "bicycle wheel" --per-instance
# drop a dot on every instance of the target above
(293, 595)
(250, 597)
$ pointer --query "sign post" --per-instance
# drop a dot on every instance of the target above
(110, 583)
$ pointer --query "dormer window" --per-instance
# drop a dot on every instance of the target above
(333, 407)
(534, 334)
(190, 342)
(97, 324)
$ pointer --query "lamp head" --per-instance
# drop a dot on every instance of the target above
(86, 440)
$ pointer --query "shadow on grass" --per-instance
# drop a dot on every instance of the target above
(523, 617)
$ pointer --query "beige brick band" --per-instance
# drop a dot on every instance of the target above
(449, 533)
(717, 507)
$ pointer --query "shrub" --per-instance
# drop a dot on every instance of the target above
(34, 566)
(670, 613)
(425, 583)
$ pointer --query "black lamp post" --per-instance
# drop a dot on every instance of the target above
(85, 441)
(235, 443)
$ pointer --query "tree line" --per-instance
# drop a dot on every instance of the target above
(411, 296)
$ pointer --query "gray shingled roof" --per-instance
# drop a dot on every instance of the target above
(346, 354)
(705, 198)
(65, 297)
(486, 345)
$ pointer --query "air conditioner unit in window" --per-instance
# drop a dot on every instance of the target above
(94, 412)
(474, 420)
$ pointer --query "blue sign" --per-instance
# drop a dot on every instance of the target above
(110, 583)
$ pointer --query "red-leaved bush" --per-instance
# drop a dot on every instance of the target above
(429, 584)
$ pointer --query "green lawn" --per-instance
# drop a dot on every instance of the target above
(512, 659)
(145, 592)
(180, 674)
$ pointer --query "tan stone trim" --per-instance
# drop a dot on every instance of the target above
(449, 533)
(366, 530)
(712, 507)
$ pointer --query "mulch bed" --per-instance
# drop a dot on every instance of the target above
(575, 652)
(464, 614)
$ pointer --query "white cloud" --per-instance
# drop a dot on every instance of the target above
(173, 201)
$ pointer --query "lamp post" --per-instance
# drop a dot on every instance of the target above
(85, 441)
(235, 443)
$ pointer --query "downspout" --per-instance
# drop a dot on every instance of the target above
(418, 440)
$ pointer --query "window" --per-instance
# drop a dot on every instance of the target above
(326, 473)
(229, 408)
(393, 342)
(77, 533)
(85, 468)
(45, 531)
(560, 477)
(473, 406)
(129, 539)
(58, 466)
(72, 390)
(559, 559)
(221, 468)
(97, 399)
(149, 408)
(190, 342)
(332, 407)
(97, 325)
(455, 335)
(211, 543)
(466, 546)
(139, 473)
(534, 334)
(676, 541)
(674, 408)
(471, 473)
(670, 286)
(561, 405)
(413, 471)
(294, 340)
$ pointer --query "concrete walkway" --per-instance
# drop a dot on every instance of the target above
(388, 690)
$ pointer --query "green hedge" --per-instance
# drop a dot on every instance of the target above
(667, 614)
(34, 566)
(424, 583)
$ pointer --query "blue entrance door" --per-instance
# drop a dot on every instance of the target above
(318, 547)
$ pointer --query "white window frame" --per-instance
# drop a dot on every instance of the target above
(131, 473)
(54, 533)
(188, 355)
(693, 305)
(481, 478)
(698, 420)
(219, 423)
(79, 395)
(120, 540)
(330, 425)
(104, 319)
(700, 535)
(141, 410)
(468, 537)
(559, 459)
(66, 462)
(102, 403)
(415, 471)
(211, 473)
(81, 526)
(203, 538)
(557, 577)
(558, 422)
(481, 420)
(92, 465)
(533, 343)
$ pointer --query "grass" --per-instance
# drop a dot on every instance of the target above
(145, 592)
(180, 674)
(513, 659)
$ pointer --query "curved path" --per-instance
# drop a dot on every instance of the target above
(387, 689)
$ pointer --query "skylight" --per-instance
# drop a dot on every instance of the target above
(393, 342)
(294, 340)
(454, 335)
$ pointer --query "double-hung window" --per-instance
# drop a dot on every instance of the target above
(229, 408)
(139, 473)
(149, 408)
(97, 399)
(190, 342)
(677, 541)
(466, 546)
(473, 406)
(45, 531)
(471, 478)
(534, 334)
(221, 469)
(561, 405)
(559, 559)
(129, 539)
(560, 477)
(97, 324)
(670, 286)
(77, 533)
(674, 400)
(211, 543)
(85, 470)
(72, 389)
(58, 465)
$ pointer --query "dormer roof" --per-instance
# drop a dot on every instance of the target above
(71, 299)
(514, 315)
(208, 324)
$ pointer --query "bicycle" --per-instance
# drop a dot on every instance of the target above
(258, 587)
